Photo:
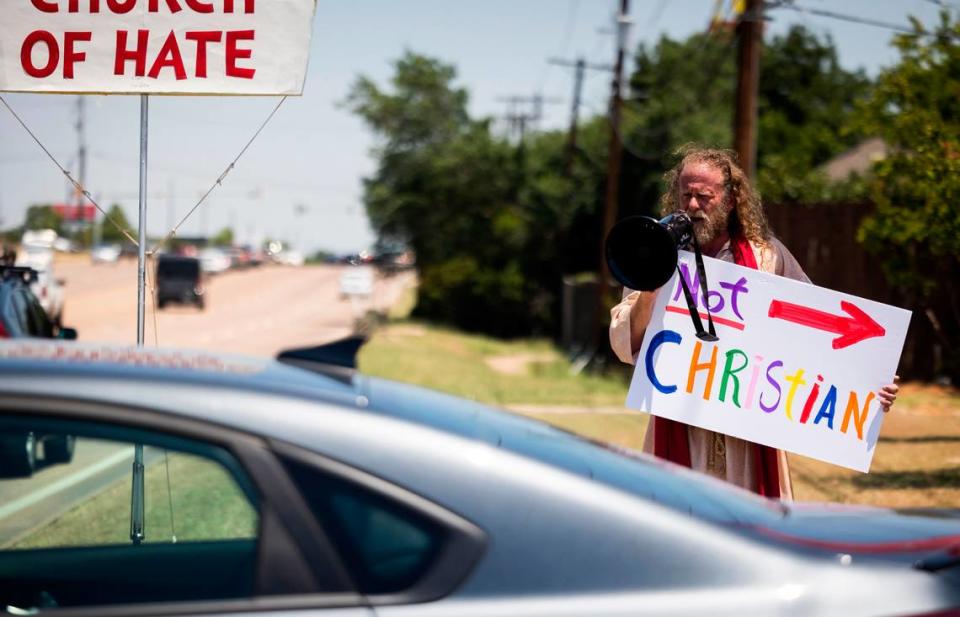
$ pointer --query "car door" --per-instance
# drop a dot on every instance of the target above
(219, 527)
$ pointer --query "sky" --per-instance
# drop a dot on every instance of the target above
(301, 179)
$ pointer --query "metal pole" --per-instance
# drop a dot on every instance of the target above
(137, 498)
(80, 219)
(142, 237)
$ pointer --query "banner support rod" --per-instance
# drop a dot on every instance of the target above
(137, 500)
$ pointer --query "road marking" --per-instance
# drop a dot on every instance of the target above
(28, 500)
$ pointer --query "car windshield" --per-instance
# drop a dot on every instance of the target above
(178, 268)
(620, 468)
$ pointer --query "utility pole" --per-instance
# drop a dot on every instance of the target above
(519, 120)
(579, 65)
(615, 150)
(81, 163)
(170, 194)
(97, 226)
(574, 116)
(749, 43)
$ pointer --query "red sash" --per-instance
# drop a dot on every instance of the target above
(670, 439)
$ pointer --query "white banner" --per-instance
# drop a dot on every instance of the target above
(155, 46)
(796, 366)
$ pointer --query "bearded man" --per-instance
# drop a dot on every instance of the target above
(730, 225)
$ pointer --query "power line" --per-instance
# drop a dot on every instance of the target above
(657, 12)
(565, 38)
(519, 120)
(80, 189)
(943, 4)
(788, 4)
(219, 180)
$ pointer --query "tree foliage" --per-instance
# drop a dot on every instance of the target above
(43, 217)
(224, 237)
(684, 92)
(806, 107)
(109, 232)
(496, 225)
(915, 230)
(487, 219)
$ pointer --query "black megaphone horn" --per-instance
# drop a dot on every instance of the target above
(642, 251)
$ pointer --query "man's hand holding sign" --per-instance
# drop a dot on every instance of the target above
(786, 366)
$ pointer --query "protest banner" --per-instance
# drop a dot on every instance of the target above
(253, 47)
(796, 366)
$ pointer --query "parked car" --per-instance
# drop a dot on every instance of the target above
(179, 279)
(214, 260)
(105, 253)
(308, 488)
(21, 316)
(21, 313)
(45, 285)
(356, 281)
(289, 257)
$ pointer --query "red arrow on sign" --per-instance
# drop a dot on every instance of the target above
(853, 329)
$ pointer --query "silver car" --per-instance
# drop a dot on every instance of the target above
(202, 484)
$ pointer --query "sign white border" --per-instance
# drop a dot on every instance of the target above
(263, 52)
(785, 363)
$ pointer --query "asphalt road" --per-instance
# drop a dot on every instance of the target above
(257, 311)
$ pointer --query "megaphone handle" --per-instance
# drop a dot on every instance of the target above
(702, 274)
(694, 314)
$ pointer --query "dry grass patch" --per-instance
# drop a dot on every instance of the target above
(518, 364)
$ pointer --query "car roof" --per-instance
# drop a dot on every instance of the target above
(168, 257)
(162, 365)
(49, 365)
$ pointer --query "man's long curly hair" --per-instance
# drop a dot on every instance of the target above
(747, 218)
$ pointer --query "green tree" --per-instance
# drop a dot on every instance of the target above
(806, 110)
(224, 237)
(439, 187)
(487, 219)
(684, 92)
(43, 217)
(109, 232)
(915, 230)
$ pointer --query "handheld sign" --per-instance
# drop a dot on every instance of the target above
(155, 46)
(797, 366)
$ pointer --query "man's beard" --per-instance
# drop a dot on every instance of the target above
(708, 227)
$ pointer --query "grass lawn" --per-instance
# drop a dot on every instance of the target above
(207, 505)
(484, 369)
(917, 462)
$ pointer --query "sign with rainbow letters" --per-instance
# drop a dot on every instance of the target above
(796, 367)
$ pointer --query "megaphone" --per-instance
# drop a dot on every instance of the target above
(641, 251)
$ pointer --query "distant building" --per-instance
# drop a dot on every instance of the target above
(857, 160)
(76, 217)
(84, 214)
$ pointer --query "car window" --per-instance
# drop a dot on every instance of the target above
(66, 526)
(387, 545)
(178, 268)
